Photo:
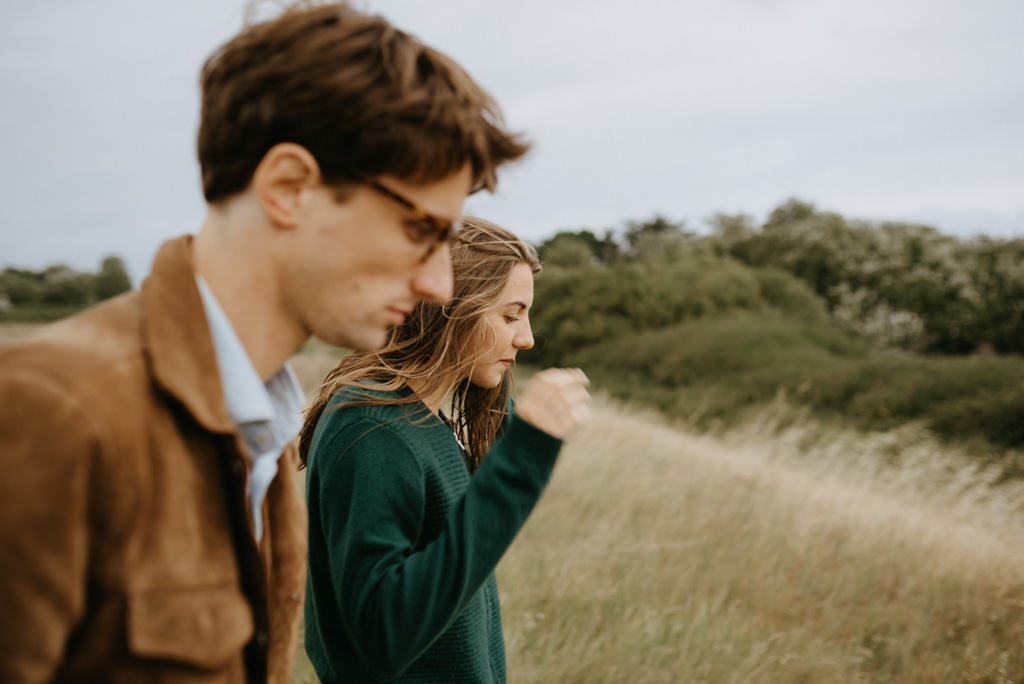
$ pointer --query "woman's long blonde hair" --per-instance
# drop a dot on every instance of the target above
(438, 345)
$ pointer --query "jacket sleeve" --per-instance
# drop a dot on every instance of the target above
(396, 600)
(47, 448)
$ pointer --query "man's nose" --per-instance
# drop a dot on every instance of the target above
(433, 280)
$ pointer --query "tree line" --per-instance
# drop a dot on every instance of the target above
(895, 285)
(62, 285)
(872, 324)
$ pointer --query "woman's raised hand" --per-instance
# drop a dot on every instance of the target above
(556, 401)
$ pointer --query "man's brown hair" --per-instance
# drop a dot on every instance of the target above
(362, 96)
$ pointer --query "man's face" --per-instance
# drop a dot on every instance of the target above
(360, 265)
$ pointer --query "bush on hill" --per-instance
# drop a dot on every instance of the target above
(709, 373)
(577, 307)
(809, 305)
(58, 290)
(896, 284)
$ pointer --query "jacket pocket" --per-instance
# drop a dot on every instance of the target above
(201, 626)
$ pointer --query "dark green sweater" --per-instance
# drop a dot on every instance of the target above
(403, 543)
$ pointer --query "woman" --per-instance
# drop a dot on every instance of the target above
(408, 518)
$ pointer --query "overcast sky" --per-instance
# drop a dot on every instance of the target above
(878, 109)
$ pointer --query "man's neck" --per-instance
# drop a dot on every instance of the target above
(240, 275)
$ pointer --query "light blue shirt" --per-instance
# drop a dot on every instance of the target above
(267, 414)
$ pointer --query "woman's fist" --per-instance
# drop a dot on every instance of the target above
(556, 401)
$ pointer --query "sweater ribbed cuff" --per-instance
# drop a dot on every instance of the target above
(542, 449)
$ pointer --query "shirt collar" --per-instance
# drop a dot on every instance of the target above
(247, 397)
(175, 336)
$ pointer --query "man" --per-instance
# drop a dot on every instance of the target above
(151, 530)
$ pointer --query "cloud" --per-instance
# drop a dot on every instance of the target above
(903, 108)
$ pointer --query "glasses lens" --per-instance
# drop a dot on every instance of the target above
(428, 229)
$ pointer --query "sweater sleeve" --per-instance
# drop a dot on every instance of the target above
(394, 599)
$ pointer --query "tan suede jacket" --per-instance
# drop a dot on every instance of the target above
(125, 549)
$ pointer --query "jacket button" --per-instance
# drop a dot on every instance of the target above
(237, 467)
(261, 638)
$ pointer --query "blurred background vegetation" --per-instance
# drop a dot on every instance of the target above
(870, 325)
(874, 325)
(59, 290)
(817, 531)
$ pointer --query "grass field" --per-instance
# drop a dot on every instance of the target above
(659, 556)
(778, 552)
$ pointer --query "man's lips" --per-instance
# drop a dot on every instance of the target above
(398, 315)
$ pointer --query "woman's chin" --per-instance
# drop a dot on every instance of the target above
(490, 381)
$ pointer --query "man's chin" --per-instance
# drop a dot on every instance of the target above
(372, 343)
(368, 340)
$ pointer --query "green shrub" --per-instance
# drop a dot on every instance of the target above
(585, 305)
(790, 295)
(897, 284)
(722, 288)
(961, 398)
(112, 279)
(714, 369)
(710, 372)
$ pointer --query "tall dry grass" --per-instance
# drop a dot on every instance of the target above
(656, 556)
(778, 552)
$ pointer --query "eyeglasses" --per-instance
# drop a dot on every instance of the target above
(429, 229)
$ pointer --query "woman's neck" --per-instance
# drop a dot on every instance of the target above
(432, 401)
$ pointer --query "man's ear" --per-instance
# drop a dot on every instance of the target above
(284, 172)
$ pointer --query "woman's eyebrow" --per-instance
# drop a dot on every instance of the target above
(519, 305)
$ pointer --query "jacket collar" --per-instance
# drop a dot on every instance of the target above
(176, 338)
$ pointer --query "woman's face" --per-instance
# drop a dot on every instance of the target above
(506, 329)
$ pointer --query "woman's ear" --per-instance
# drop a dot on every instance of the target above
(279, 180)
